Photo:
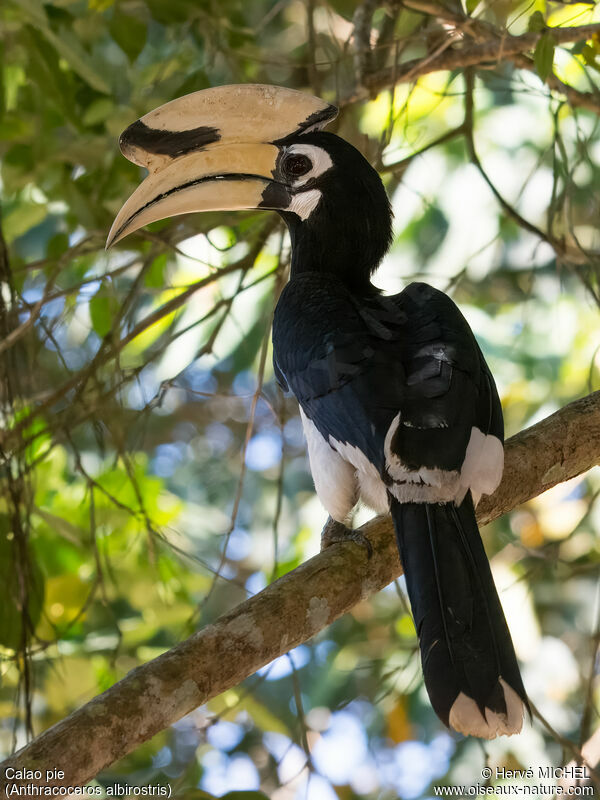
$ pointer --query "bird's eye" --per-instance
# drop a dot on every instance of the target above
(296, 165)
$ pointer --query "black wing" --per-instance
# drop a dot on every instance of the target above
(355, 364)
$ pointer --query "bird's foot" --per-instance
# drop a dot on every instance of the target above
(335, 532)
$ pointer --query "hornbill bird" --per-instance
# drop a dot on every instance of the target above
(398, 405)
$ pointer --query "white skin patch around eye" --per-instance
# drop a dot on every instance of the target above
(320, 159)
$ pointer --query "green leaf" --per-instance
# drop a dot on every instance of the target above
(427, 232)
(247, 348)
(589, 56)
(100, 5)
(103, 310)
(25, 216)
(57, 245)
(72, 533)
(155, 276)
(98, 111)
(472, 5)
(169, 13)
(578, 47)
(536, 22)
(129, 33)
(244, 796)
(2, 87)
(37, 435)
(544, 55)
(43, 69)
(13, 127)
(66, 45)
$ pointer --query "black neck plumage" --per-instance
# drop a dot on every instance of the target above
(348, 232)
(323, 249)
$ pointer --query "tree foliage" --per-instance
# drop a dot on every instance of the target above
(153, 475)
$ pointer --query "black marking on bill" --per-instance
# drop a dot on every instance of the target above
(167, 143)
(314, 122)
(275, 196)
(320, 118)
(196, 182)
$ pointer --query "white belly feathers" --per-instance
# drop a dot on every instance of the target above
(343, 474)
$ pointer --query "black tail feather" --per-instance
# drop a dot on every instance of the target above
(466, 650)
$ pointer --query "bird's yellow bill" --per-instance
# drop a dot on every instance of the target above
(223, 178)
(214, 150)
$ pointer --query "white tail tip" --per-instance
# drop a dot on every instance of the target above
(465, 716)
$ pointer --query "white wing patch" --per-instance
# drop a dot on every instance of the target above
(425, 485)
(342, 473)
(372, 489)
(335, 479)
(481, 472)
(483, 465)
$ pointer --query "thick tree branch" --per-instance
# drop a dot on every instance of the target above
(483, 54)
(286, 613)
(362, 18)
(481, 32)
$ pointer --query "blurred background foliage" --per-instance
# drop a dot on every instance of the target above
(153, 475)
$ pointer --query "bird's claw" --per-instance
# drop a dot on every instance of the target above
(335, 532)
